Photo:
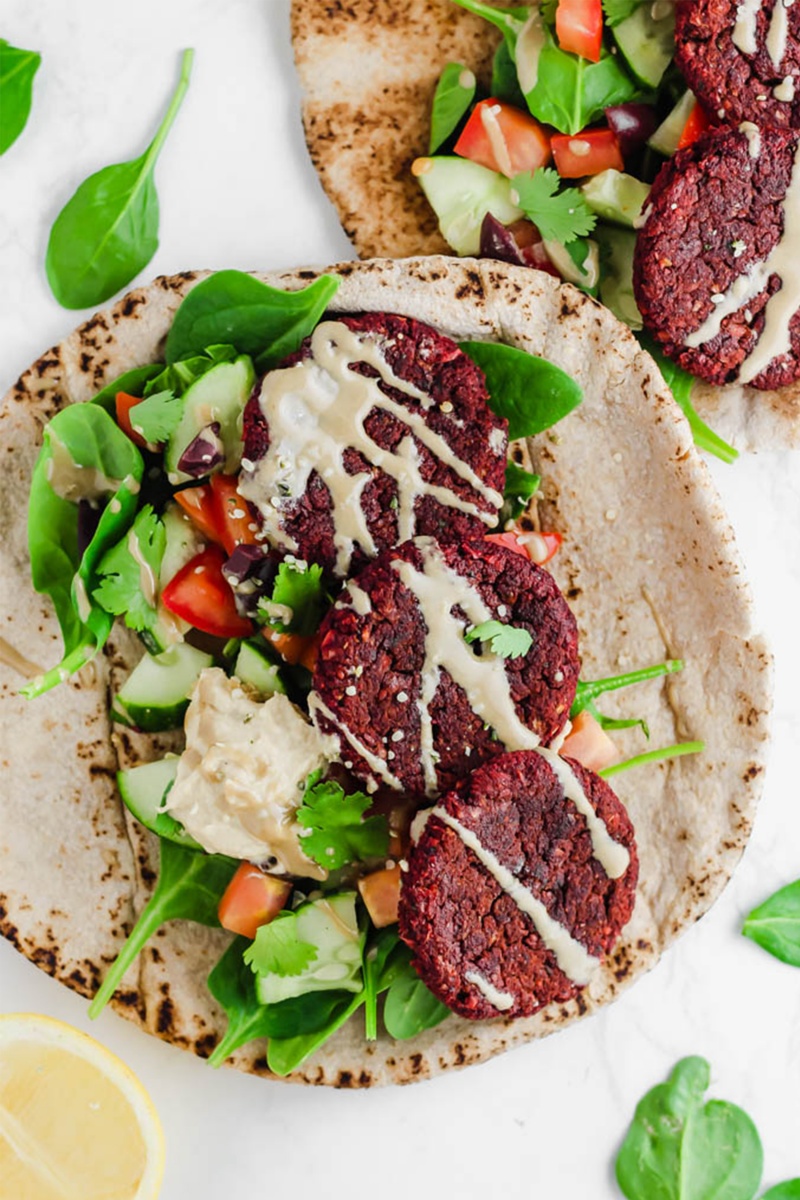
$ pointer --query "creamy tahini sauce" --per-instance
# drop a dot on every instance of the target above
(70, 480)
(147, 576)
(783, 260)
(573, 958)
(778, 32)
(744, 31)
(374, 761)
(491, 127)
(315, 410)
(530, 44)
(753, 135)
(17, 662)
(502, 1001)
(613, 857)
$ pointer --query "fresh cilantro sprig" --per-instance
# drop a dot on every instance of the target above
(337, 832)
(157, 417)
(560, 216)
(300, 589)
(277, 950)
(617, 11)
(125, 569)
(506, 641)
(588, 690)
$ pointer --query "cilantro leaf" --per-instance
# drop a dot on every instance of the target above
(506, 641)
(560, 216)
(157, 417)
(520, 485)
(338, 832)
(129, 569)
(298, 588)
(616, 11)
(277, 950)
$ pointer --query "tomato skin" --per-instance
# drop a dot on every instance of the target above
(538, 547)
(520, 141)
(232, 529)
(293, 647)
(586, 153)
(579, 27)
(251, 899)
(198, 503)
(696, 125)
(123, 404)
(201, 595)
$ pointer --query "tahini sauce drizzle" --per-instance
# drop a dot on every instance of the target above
(778, 32)
(502, 1001)
(783, 260)
(317, 409)
(744, 31)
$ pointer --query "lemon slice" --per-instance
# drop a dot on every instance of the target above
(75, 1123)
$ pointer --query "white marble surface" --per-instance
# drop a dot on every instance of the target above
(237, 190)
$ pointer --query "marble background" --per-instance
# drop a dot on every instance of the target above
(237, 190)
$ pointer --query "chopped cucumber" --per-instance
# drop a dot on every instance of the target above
(183, 542)
(156, 693)
(461, 193)
(616, 273)
(167, 631)
(143, 790)
(256, 667)
(647, 43)
(328, 926)
(616, 197)
(219, 395)
(584, 275)
(666, 137)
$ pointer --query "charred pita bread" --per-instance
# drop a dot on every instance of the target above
(649, 567)
(368, 72)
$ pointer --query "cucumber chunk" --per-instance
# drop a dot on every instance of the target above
(143, 790)
(330, 926)
(666, 137)
(616, 197)
(647, 44)
(155, 695)
(255, 667)
(220, 395)
(183, 542)
(616, 273)
(461, 193)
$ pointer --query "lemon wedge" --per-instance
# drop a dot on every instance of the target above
(75, 1123)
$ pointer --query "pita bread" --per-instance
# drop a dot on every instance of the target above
(368, 73)
(649, 567)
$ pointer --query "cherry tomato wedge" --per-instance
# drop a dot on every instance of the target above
(589, 743)
(586, 153)
(380, 892)
(579, 27)
(123, 405)
(293, 647)
(538, 547)
(697, 124)
(198, 502)
(251, 899)
(233, 520)
(201, 595)
(504, 139)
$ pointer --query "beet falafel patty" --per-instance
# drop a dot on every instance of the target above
(715, 271)
(376, 430)
(519, 882)
(415, 704)
(742, 61)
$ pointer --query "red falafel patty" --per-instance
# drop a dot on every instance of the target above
(376, 430)
(520, 881)
(414, 703)
(742, 60)
(716, 265)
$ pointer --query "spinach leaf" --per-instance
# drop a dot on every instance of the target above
(510, 21)
(190, 886)
(570, 92)
(775, 924)
(789, 1190)
(284, 1054)
(383, 961)
(454, 93)
(17, 69)
(531, 393)
(131, 382)
(84, 455)
(680, 383)
(179, 376)
(520, 485)
(231, 306)
(505, 84)
(410, 1007)
(108, 231)
(679, 1148)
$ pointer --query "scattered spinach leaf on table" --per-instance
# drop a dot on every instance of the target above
(108, 231)
(775, 924)
(17, 69)
(531, 393)
(454, 93)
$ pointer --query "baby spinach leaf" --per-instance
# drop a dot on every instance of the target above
(108, 231)
(454, 93)
(570, 92)
(510, 21)
(179, 376)
(505, 84)
(531, 393)
(520, 485)
(410, 1007)
(789, 1190)
(233, 307)
(17, 69)
(132, 382)
(384, 960)
(285, 1054)
(84, 456)
(560, 214)
(680, 383)
(617, 11)
(679, 1148)
(775, 924)
(189, 887)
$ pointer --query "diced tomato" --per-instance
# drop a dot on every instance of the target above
(198, 502)
(232, 518)
(697, 123)
(589, 743)
(293, 647)
(201, 595)
(252, 899)
(124, 403)
(539, 547)
(579, 27)
(380, 892)
(586, 153)
(529, 242)
(504, 139)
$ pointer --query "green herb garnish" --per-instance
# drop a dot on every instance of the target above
(454, 93)
(17, 69)
(338, 831)
(120, 589)
(506, 641)
(299, 589)
(560, 214)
